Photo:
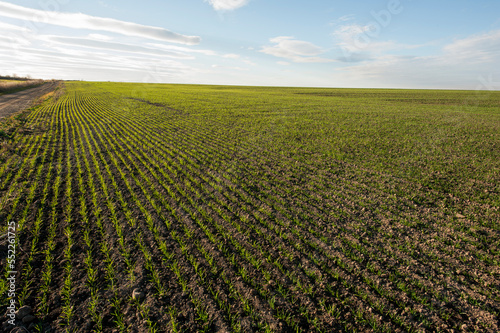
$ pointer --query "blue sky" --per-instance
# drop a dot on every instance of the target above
(379, 44)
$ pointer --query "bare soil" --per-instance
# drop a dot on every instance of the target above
(11, 103)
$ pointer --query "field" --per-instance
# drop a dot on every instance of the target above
(186, 208)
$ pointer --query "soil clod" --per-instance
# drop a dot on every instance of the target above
(23, 311)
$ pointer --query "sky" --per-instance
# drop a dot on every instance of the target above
(336, 43)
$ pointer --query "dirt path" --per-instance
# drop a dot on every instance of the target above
(10, 103)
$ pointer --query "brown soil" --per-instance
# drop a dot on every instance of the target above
(11, 103)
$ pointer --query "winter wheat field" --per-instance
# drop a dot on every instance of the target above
(189, 208)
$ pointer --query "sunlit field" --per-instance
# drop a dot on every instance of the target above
(192, 208)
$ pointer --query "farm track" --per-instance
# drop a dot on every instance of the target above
(17, 101)
(221, 237)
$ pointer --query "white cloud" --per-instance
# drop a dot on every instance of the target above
(459, 65)
(349, 37)
(294, 50)
(478, 48)
(181, 49)
(83, 21)
(227, 4)
(66, 63)
(120, 47)
(357, 44)
(249, 62)
(13, 36)
(296, 46)
(12, 41)
(360, 43)
(230, 67)
(342, 19)
(231, 56)
(99, 37)
(6, 26)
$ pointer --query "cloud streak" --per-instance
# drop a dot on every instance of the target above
(357, 45)
(478, 48)
(121, 47)
(181, 49)
(65, 63)
(294, 50)
(83, 21)
(227, 4)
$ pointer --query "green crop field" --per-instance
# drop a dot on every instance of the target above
(191, 208)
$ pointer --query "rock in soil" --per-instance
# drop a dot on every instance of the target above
(23, 311)
(29, 319)
(6, 326)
